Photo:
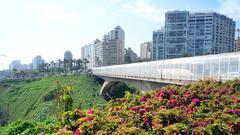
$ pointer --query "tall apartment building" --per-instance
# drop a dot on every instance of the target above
(36, 61)
(130, 56)
(68, 55)
(195, 34)
(176, 33)
(210, 33)
(87, 53)
(158, 45)
(113, 47)
(145, 51)
(15, 64)
(97, 53)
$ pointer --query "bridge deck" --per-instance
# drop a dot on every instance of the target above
(218, 67)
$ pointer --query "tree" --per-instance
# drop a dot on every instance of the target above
(186, 54)
(85, 61)
(78, 65)
(74, 64)
(98, 61)
(59, 62)
(65, 66)
(52, 63)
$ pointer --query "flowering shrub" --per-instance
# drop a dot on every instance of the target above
(205, 107)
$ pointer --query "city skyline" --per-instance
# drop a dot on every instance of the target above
(50, 28)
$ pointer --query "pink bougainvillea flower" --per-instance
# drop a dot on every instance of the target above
(143, 99)
(77, 132)
(145, 120)
(163, 107)
(173, 102)
(196, 100)
(88, 118)
(90, 111)
(236, 111)
(123, 99)
(230, 110)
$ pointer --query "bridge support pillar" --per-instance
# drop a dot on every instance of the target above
(110, 84)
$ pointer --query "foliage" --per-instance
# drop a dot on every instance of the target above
(205, 107)
(200, 108)
(30, 128)
(64, 99)
(33, 99)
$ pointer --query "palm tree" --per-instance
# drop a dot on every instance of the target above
(65, 66)
(85, 61)
(52, 66)
(78, 64)
(74, 64)
(99, 62)
(59, 66)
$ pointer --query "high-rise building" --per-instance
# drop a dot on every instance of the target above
(145, 51)
(194, 34)
(130, 56)
(158, 44)
(68, 56)
(36, 61)
(93, 53)
(210, 33)
(176, 33)
(87, 53)
(15, 64)
(113, 47)
(97, 53)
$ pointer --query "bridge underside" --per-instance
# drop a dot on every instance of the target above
(110, 84)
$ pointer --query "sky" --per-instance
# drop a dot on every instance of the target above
(50, 27)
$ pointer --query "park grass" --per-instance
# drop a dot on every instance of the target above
(24, 99)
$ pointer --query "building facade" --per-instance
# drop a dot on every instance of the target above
(113, 47)
(97, 53)
(158, 45)
(15, 64)
(87, 53)
(210, 33)
(130, 56)
(175, 34)
(68, 56)
(36, 61)
(145, 51)
(194, 34)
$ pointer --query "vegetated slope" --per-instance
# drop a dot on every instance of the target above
(25, 99)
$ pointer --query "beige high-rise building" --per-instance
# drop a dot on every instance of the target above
(145, 51)
(113, 47)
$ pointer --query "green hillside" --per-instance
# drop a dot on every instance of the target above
(26, 99)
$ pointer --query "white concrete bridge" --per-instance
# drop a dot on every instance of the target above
(150, 75)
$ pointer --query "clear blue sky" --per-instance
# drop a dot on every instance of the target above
(49, 27)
